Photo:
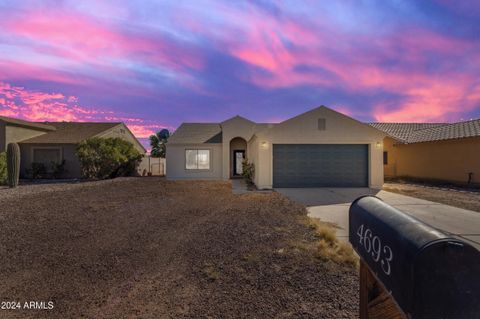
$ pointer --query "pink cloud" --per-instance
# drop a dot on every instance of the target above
(357, 63)
(144, 131)
(12, 70)
(440, 100)
(84, 39)
(38, 106)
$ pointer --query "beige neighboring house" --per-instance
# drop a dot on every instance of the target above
(319, 148)
(56, 141)
(433, 151)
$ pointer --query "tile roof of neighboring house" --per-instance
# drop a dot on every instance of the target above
(428, 132)
(447, 132)
(197, 133)
(402, 131)
(41, 126)
(71, 132)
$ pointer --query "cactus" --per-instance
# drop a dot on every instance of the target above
(13, 164)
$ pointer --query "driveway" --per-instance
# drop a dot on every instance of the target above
(331, 205)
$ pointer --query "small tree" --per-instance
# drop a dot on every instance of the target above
(103, 158)
(158, 141)
(248, 171)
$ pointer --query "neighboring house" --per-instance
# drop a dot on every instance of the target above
(56, 141)
(433, 151)
(318, 148)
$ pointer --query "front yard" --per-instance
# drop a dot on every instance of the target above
(150, 248)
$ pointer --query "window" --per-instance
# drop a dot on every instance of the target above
(322, 125)
(385, 158)
(197, 159)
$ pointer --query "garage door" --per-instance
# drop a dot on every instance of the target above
(320, 165)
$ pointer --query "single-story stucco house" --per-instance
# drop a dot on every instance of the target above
(48, 142)
(319, 148)
(433, 151)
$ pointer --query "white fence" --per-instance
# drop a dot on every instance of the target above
(153, 165)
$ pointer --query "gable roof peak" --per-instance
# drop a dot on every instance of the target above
(237, 117)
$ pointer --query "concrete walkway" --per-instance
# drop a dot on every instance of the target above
(239, 186)
(331, 205)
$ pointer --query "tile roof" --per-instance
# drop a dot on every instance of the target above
(428, 132)
(196, 133)
(70, 132)
(402, 131)
(41, 126)
(447, 132)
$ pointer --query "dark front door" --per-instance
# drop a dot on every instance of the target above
(238, 157)
(320, 165)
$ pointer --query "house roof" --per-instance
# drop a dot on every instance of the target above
(447, 132)
(236, 118)
(34, 125)
(197, 133)
(428, 132)
(70, 132)
(401, 131)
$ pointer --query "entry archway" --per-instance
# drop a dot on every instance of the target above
(238, 152)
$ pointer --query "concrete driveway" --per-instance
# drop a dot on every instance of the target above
(331, 205)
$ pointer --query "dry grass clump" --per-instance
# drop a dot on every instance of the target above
(329, 247)
(210, 272)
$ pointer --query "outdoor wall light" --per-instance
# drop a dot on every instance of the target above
(379, 145)
(264, 145)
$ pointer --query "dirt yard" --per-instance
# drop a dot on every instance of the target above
(148, 248)
(453, 197)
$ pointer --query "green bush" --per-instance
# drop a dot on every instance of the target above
(102, 158)
(3, 168)
(248, 171)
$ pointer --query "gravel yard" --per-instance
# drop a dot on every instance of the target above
(454, 197)
(150, 248)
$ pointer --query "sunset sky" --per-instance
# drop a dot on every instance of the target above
(154, 64)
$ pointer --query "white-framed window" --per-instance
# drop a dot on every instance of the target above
(196, 159)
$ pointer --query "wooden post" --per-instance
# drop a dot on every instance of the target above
(375, 302)
(363, 290)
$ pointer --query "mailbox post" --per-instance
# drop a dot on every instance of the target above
(409, 269)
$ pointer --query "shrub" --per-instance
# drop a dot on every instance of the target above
(248, 171)
(3, 168)
(102, 158)
(328, 246)
(58, 169)
(37, 170)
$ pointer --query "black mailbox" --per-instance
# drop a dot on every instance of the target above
(429, 273)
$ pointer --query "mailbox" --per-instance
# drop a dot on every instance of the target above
(428, 273)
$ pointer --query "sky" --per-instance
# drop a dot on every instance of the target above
(155, 64)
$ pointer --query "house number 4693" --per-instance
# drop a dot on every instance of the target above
(373, 246)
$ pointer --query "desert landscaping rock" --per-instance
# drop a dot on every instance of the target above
(150, 248)
(469, 200)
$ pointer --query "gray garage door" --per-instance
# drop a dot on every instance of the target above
(320, 165)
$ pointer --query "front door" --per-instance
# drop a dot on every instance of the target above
(238, 157)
